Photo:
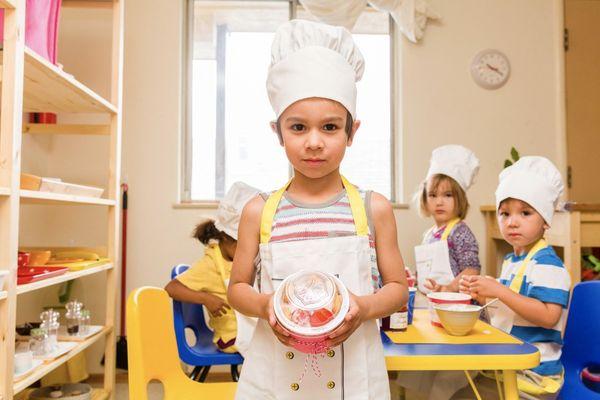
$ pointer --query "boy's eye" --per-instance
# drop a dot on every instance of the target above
(330, 127)
(432, 195)
(526, 213)
(448, 194)
(503, 214)
(297, 127)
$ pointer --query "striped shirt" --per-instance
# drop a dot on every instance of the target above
(295, 220)
(547, 280)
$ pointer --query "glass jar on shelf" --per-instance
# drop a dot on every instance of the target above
(39, 342)
(84, 322)
(73, 317)
(50, 324)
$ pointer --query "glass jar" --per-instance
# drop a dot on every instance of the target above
(84, 322)
(50, 324)
(73, 317)
(396, 322)
(39, 343)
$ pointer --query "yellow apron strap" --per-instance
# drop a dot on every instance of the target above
(449, 227)
(517, 281)
(268, 214)
(359, 214)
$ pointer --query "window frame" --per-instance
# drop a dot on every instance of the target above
(186, 149)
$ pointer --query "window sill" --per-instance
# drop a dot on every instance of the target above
(213, 205)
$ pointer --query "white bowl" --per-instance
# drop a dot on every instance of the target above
(457, 319)
(445, 298)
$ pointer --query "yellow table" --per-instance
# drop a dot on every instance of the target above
(506, 356)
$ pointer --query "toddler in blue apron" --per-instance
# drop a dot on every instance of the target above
(534, 284)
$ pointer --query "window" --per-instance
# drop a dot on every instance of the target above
(227, 135)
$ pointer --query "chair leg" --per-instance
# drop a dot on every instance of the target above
(194, 374)
(235, 375)
(202, 377)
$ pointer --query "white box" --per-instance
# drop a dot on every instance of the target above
(54, 185)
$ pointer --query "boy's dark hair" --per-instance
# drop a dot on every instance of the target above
(347, 127)
(207, 231)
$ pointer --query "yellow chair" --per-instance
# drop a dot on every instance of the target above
(152, 351)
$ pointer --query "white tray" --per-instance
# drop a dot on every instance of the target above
(36, 363)
(57, 186)
(62, 348)
(65, 337)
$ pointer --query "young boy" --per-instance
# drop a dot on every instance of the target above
(319, 222)
(534, 285)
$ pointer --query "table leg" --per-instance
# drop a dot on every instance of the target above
(511, 392)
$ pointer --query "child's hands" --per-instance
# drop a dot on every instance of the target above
(351, 322)
(464, 286)
(433, 285)
(215, 305)
(279, 331)
(483, 286)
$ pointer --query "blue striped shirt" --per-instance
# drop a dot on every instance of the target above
(547, 280)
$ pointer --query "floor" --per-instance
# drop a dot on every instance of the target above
(155, 389)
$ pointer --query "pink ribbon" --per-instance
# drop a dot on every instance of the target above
(312, 358)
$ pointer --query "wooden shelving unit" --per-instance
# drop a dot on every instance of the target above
(62, 278)
(42, 370)
(29, 83)
(35, 197)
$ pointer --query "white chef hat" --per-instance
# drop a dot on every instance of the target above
(231, 206)
(534, 180)
(311, 59)
(455, 161)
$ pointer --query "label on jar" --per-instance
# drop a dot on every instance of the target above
(399, 320)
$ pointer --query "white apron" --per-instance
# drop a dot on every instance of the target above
(433, 260)
(354, 370)
(501, 316)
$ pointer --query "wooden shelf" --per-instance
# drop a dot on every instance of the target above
(37, 197)
(7, 4)
(45, 368)
(62, 278)
(4, 191)
(63, 129)
(87, 3)
(49, 89)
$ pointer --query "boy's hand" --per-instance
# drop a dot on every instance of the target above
(215, 305)
(351, 322)
(433, 285)
(464, 286)
(484, 286)
(279, 331)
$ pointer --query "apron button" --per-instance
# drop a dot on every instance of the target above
(294, 386)
(331, 384)
(289, 355)
(330, 353)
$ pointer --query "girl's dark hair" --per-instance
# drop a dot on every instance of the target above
(206, 231)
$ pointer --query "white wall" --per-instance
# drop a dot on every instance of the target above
(439, 104)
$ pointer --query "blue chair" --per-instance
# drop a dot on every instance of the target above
(203, 354)
(582, 340)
